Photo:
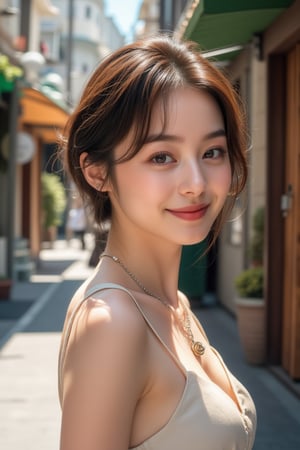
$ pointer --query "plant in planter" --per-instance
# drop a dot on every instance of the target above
(8, 74)
(53, 203)
(250, 305)
(249, 283)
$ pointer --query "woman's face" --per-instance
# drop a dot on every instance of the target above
(176, 185)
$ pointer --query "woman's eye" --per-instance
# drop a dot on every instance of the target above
(214, 153)
(162, 158)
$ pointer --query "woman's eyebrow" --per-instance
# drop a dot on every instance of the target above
(162, 137)
(215, 134)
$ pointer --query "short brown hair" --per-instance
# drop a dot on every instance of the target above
(119, 98)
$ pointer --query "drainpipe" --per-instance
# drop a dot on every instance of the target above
(11, 182)
(70, 52)
(25, 21)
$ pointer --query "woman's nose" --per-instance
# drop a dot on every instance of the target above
(192, 179)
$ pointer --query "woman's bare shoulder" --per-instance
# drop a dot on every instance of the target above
(106, 316)
(105, 371)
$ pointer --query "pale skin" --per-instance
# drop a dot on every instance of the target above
(120, 384)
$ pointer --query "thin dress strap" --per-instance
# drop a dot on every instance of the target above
(69, 324)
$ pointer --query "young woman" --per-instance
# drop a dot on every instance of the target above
(157, 145)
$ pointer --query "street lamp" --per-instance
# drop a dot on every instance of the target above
(32, 63)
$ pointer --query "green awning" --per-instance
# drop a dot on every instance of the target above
(228, 24)
(8, 73)
(5, 84)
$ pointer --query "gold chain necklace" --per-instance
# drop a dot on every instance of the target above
(197, 347)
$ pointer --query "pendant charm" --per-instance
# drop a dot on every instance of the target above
(197, 348)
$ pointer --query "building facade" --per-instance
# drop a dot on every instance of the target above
(56, 55)
(75, 41)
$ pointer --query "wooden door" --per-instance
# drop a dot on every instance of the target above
(291, 202)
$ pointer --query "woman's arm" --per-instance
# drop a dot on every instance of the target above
(104, 375)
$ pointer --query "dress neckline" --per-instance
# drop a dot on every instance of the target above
(184, 370)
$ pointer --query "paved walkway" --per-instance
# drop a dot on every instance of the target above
(29, 409)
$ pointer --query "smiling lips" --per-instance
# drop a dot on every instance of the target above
(193, 212)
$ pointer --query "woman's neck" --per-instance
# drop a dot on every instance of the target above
(155, 264)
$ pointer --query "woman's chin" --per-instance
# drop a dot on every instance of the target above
(195, 240)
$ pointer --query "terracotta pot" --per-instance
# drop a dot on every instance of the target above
(5, 286)
(252, 328)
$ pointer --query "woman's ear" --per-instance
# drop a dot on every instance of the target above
(94, 174)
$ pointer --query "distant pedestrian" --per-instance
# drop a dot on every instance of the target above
(77, 222)
(158, 145)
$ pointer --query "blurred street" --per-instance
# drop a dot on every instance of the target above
(30, 326)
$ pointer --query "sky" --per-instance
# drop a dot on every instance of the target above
(124, 13)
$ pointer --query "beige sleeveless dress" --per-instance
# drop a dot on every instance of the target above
(206, 418)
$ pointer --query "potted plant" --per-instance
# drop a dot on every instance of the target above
(53, 204)
(250, 305)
